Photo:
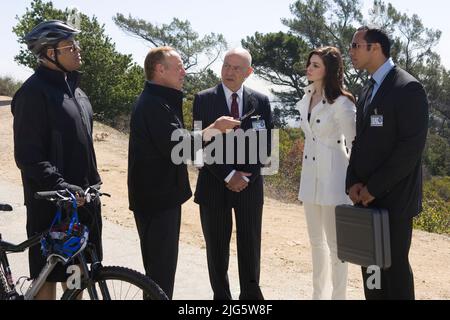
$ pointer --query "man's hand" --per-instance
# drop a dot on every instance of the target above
(77, 191)
(225, 123)
(354, 192)
(365, 197)
(221, 125)
(237, 182)
(80, 200)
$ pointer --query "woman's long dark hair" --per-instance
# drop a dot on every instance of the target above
(334, 73)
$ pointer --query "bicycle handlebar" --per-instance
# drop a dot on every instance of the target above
(65, 195)
(48, 195)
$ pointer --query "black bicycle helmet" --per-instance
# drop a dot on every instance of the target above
(48, 34)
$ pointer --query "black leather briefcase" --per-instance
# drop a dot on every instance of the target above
(363, 236)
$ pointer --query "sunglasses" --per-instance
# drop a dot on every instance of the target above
(355, 45)
(73, 47)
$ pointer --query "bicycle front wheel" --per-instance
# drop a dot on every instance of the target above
(120, 284)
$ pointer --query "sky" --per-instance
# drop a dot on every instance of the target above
(235, 19)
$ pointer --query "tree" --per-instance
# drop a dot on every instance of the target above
(9, 86)
(278, 58)
(197, 82)
(413, 45)
(197, 54)
(318, 23)
(111, 79)
(179, 35)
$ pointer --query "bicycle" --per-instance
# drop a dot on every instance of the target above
(100, 282)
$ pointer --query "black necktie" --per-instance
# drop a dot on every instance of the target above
(368, 96)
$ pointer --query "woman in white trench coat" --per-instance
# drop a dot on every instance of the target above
(327, 117)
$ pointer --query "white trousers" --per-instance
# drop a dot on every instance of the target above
(321, 224)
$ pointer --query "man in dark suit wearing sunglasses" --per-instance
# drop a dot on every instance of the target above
(385, 163)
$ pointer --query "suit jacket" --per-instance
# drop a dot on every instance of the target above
(328, 139)
(387, 158)
(154, 181)
(211, 189)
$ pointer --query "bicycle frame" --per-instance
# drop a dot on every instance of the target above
(52, 261)
(6, 247)
(95, 265)
(37, 283)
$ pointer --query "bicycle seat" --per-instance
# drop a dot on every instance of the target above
(64, 242)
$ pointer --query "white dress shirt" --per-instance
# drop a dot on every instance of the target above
(229, 98)
(240, 101)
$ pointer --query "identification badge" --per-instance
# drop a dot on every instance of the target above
(376, 120)
(258, 124)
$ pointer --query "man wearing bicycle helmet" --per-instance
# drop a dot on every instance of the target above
(53, 145)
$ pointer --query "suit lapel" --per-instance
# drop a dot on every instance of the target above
(360, 107)
(248, 102)
(221, 102)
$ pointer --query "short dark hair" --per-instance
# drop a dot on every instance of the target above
(155, 56)
(375, 35)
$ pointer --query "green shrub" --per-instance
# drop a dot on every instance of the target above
(8, 86)
(284, 185)
(435, 216)
(437, 155)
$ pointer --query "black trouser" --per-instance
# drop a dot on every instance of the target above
(397, 282)
(159, 232)
(217, 227)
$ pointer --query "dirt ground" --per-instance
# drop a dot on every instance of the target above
(285, 245)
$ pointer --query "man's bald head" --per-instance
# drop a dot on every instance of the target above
(236, 68)
(243, 53)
